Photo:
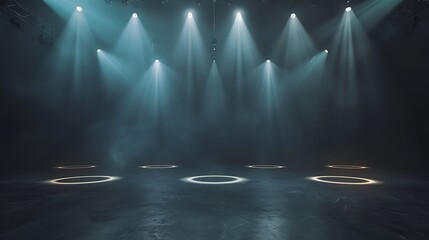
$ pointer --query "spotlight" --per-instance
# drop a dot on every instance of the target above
(348, 9)
(157, 61)
(98, 50)
(45, 40)
(293, 15)
(15, 21)
(239, 14)
(268, 61)
(326, 51)
(214, 44)
(134, 15)
(79, 9)
(190, 15)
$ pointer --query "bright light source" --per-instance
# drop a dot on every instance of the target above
(238, 14)
(134, 15)
(79, 9)
(98, 50)
(268, 61)
(348, 9)
(156, 60)
(190, 15)
(293, 15)
(326, 51)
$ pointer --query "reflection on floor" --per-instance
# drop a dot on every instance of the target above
(272, 204)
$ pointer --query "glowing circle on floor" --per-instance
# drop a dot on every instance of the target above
(197, 179)
(76, 167)
(354, 180)
(265, 166)
(346, 166)
(158, 166)
(77, 180)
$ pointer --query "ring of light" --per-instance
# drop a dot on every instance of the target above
(346, 167)
(365, 181)
(104, 179)
(265, 166)
(158, 166)
(234, 179)
(76, 167)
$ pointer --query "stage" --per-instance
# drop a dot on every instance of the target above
(270, 204)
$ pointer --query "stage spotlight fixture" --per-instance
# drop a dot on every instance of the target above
(15, 22)
(268, 61)
(98, 50)
(134, 15)
(293, 15)
(348, 9)
(190, 15)
(45, 40)
(157, 61)
(79, 8)
(238, 14)
(326, 51)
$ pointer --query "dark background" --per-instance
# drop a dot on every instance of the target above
(43, 124)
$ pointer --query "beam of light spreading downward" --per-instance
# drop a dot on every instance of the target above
(309, 82)
(267, 89)
(295, 43)
(153, 95)
(112, 70)
(191, 55)
(240, 55)
(75, 52)
(134, 46)
(214, 95)
(372, 12)
(354, 70)
(63, 8)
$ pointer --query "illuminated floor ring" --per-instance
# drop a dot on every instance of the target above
(71, 167)
(104, 179)
(159, 166)
(364, 181)
(194, 179)
(264, 166)
(351, 167)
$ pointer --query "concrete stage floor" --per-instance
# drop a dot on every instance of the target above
(272, 204)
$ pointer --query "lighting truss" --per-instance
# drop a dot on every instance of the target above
(22, 15)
